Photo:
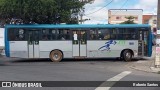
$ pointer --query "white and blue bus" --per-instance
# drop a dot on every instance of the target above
(78, 41)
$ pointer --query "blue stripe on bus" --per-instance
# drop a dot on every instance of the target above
(79, 26)
(150, 45)
(7, 49)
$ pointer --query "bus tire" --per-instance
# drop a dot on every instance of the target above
(127, 55)
(56, 56)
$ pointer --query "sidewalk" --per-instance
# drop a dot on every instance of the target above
(147, 64)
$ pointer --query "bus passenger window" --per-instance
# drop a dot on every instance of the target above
(53, 34)
(63, 37)
(126, 37)
(12, 36)
(133, 37)
(93, 35)
(100, 35)
(106, 37)
(67, 36)
(21, 34)
(44, 37)
(113, 36)
(46, 34)
(17, 35)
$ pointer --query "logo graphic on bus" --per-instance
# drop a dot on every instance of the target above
(107, 45)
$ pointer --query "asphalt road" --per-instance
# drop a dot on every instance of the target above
(14, 69)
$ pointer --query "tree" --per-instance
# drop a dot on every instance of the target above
(129, 21)
(40, 11)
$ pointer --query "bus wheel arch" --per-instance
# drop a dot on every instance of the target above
(56, 55)
(127, 55)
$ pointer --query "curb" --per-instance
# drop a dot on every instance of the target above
(157, 70)
(152, 69)
(133, 67)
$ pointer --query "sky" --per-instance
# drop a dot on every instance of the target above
(97, 12)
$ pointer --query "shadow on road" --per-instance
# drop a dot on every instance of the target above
(30, 60)
(71, 60)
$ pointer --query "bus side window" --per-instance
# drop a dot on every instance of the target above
(53, 34)
(63, 35)
(113, 34)
(21, 34)
(107, 34)
(18, 35)
(12, 37)
(133, 37)
(67, 36)
(46, 35)
(11, 34)
(127, 37)
(60, 35)
(129, 34)
(100, 35)
(106, 37)
(93, 35)
(133, 34)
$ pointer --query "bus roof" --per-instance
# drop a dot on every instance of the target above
(79, 26)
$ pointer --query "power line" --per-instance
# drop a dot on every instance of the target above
(124, 4)
(100, 8)
(121, 6)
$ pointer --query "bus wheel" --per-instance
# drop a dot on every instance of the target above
(127, 55)
(56, 56)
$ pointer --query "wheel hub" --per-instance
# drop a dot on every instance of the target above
(55, 56)
(128, 55)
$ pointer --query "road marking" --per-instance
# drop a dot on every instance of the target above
(115, 78)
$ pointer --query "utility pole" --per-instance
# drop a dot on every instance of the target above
(81, 15)
(158, 15)
(157, 57)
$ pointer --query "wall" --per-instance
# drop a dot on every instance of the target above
(1, 37)
(122, 13)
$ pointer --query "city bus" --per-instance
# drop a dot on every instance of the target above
(57, 42)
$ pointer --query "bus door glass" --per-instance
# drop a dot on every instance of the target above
(33, 44)
(143, 42)
(79, 43)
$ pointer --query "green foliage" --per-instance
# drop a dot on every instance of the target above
(40, 11)
(129, 21)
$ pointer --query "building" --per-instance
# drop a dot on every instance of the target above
(1, 39)
(116, 16)
(151, 20)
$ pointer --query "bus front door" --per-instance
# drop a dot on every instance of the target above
(33, 44)
(79, 43)
(143, 43)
